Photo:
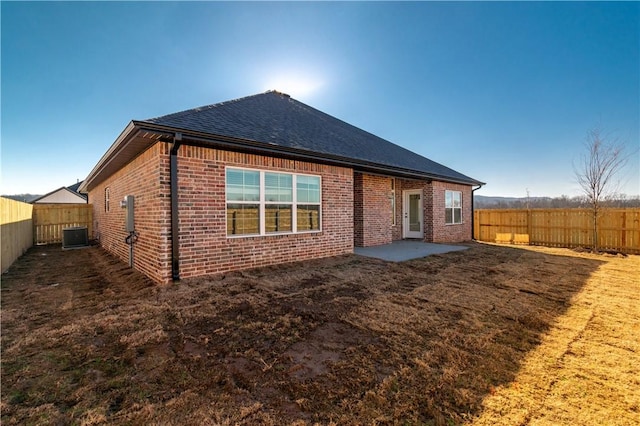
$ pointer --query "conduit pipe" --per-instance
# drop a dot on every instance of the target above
(473, 216)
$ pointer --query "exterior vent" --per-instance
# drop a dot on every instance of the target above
(77, 236)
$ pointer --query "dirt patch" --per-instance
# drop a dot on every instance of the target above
(325, 346)
(447, 339)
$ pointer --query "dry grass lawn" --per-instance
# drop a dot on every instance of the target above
(490, 335)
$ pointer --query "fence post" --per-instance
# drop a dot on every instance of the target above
(476, 225)
(623, 239)
(567, 231)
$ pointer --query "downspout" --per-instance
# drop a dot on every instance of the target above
(173, 176)
(473, 216)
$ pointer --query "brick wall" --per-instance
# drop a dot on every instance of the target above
(372, 210)
(147, 179)
(435, 229)
(429, 205)
(356, 208)
(443, 233)
(204, 245)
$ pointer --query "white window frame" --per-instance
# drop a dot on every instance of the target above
(262, 203)
(265, 203)
(452, 207)
(107, 199)
(246, 202)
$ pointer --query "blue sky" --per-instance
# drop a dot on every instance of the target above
(502, 92)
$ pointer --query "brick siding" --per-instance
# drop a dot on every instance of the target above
(204, 245)
(356, 209)
(147, 179)
(435, 230)
(450, 233)
(372, 210)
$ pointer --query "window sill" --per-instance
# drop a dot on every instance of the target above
(273, 234)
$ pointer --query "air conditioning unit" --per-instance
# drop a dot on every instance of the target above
(74, 237)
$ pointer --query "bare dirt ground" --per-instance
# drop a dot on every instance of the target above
(490, 335)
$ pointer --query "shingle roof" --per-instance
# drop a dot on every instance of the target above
(75, 187)
(274, 118)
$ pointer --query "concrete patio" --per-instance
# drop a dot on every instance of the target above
(399, 251)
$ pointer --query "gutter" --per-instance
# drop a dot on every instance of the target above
(175, 223)
(473, 216)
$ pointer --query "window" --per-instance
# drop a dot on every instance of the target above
(278, 199)
(452, 207)
(263, 203)
(106, 199)
(308, 198)
(243, 202)
(393, 201)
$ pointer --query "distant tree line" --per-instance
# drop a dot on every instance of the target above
(561, 202)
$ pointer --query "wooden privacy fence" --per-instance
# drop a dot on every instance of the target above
(618, 229)
(17, 230)
(50, 219)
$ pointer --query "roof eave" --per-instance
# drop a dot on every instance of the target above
(222, 141)
(121, 152)
(125, 148)
(108, 156)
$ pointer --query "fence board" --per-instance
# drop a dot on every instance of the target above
(16, 230)
(618, 229)
(50, 219)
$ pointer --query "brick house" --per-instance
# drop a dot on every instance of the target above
(263, 180)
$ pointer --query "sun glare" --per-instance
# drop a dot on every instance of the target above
(294, 85)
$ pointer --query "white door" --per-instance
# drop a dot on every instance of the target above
(412, 214)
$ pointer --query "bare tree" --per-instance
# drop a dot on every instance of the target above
(596, 172)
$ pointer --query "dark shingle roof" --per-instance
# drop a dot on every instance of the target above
(75, 187)
(273, 118)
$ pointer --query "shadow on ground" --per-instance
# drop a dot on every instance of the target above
(348, 340)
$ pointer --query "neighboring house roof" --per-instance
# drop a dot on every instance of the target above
(275, 123)
(75, 187)
(61, 196)
(67, 194)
